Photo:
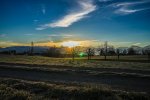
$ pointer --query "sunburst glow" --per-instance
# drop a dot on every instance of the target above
(70, 43)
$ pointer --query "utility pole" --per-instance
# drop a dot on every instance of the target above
(118, 53)
(73, 53)
(105, 49)
(32, 45)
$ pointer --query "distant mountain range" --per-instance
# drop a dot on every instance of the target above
(41, 49)
(21, 49)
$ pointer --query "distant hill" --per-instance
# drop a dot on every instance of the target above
(21, 49)
(42, 49)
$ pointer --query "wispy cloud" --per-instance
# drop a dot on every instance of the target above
(60, 35)
(136, 44)
(123, 7)
(2, 35)
(43, 9)
(85, 7)
(11, 43)
(104, 0)
(125, 11)
(28, 34)
(35, 20)
(127, 7)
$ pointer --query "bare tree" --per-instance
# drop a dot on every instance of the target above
(124, 52)
(90, 52)
(75, 51)
(100, 50)
(131, 51)
(148, 53)
(53, 52)
(118, 53)
(32, 48)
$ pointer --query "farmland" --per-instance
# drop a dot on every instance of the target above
(138, 61)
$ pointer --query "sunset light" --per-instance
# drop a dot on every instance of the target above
(70, 44)
(75, 49)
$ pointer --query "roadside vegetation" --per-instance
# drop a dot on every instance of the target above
(14, 89)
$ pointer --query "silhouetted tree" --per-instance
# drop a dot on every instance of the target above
(148, 53)
(131, 51)
(32, 48)
(124, 52)
(111, 51)
(75, 52)
(53, 52)
(12, 52)
(100, 51)
(90, 52)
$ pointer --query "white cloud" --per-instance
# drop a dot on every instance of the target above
(125, 7)
(2, 35)
(60, 35)
(130, 3)
(124, 11)
(104, 0)
(42, 27)
(85, 6)
(136, 44)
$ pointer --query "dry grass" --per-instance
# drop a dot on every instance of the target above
(14, 89)
(79, 62)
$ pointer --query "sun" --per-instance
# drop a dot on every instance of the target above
(70, 44)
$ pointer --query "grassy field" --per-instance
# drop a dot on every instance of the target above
(14, 89)
(137, 62)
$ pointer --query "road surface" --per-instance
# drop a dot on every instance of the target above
(124, 79)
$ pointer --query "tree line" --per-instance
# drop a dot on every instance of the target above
(104, 50)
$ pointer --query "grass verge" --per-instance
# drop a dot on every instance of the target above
(14, 89)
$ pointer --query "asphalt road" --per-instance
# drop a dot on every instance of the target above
(124, 79)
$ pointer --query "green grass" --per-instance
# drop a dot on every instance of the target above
(14, 89)
(79, 62)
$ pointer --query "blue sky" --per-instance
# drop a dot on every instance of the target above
(121, 22)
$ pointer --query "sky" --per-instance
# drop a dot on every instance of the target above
(89, 22)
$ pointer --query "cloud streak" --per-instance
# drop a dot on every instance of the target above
(2, 35)
(85, 7)
(126, 7)
(125, 10)
(60, 35)
(43, 9)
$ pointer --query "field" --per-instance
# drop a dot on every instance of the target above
(139, 61)
(45, 78)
